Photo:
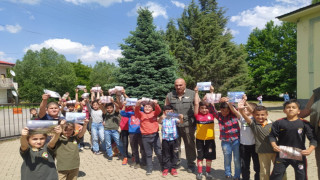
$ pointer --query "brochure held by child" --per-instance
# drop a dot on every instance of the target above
(42, 126)
(96, 89)
(287, 152)
(85, 95)
(81, 87)
(131, 101)
(235, 97)
(52, 94)
(204, 86)
(75, 117)
(105, 99)
(213, 97)
(172, 115)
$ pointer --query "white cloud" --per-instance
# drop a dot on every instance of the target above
(178, 4)
(156, 9)
(11, 28)
(4, 57)
(84, 52)
(104, 3)
(234, 32)
(260, 15)
(31, 2)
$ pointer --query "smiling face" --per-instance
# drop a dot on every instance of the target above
(292, 110)
(53, 110)
(260, 116)
(204, 110)
(147, 109)
(225, 111)
(110, 109)
(37, 140)
(95, 106)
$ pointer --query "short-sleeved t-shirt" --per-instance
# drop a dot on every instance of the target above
(246, 134)
(262, 136)
(205, 126)
(112, 121)
(67, 153)
(38, 164)
(169, 129)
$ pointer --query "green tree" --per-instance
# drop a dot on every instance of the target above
(104, 74)
(44, 69)
(82, 73)
(204, 49)
(272, 59)
(147, 69)
(315, 1)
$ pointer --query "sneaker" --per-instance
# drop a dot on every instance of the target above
(81, 148)
(149, 172)
(124, 161)
(174, 172)
(109, 158)
(97, 153)
(199, 176)
(208, 176)
(165, 172)
(190, 169)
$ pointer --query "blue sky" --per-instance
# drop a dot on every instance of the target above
(91, 30)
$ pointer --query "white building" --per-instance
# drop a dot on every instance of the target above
(6, 84)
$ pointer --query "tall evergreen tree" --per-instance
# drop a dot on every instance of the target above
(204, 50)
(147, 69)
(315, 1)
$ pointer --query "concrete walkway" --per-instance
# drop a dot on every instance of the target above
(97, 167)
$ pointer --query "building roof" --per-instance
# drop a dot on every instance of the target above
(3, 63)
(304, 11)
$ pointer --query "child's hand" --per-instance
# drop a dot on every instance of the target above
(224, 99)
(180, 116)
(196, 89)
(276, 148)
(124, 103)
(25, 131)
(123, 91)
(77, 90)
(244, 97)
(306, 152)
(119, 129)
(86, 121)
(155, 101)
(58, 130)
(211, 89)
(45, 96)
(62, 122)
(103, 123)
(241, 104)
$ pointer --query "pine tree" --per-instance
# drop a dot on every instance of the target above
(147, 69)
(204, 49)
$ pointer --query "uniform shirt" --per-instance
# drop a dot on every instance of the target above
(169, 129)
(38, 164)
(246, 134)
(205, 126)
(261, 134)
(292, 133)
(112, 121)
(67, 153)
(148, 122)
(228, 125)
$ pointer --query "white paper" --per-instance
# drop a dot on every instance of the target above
(144, 100)
(105, 99)
(85, 95)
(96, 89)
(44, 126)
(75, 117)
(131, 101)
(235, 96)
(52, 93)
(287, 152)
(112, 91)
(119, 88)
(71, 102)
(81, 87)
(213, 97)
(204, 86)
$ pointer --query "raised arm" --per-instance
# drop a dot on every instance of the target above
(157, 108)
(23, 140)
(233, 110)
(84, 128)
(167, 102)
(137, 112)
(243, 114)
(196, 101)
(43, 105)
(77, 95)
(55, 138)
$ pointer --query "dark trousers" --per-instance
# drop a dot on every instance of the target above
(280, 166)
(135, 142)
(170, 154)
(246, 153)
(124, 134)
(187, 134)
(151, 143)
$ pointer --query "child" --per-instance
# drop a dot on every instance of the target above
(291, 132)
(170, 144)
(52, 108)
(38, 161)
(134, 135)
(124, 133)
(229, 135)
(111, 128)
(97, 129)
(149, 129)
(206, 146)
(261, 126)
(247, 143)
(259, 98)
(67, 151)
(34, 114)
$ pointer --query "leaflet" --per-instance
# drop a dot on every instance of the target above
(85, 95)
(172, 115)
(213, 97)
(287, 152)
(112, 91)
(235, 96)
(71, 102)
(96, 89)
(131, 101)
(105, 99)
(75, 117)
(81, 87)
(52, 93)
(144, 100)
(204, 86)
(42, 126)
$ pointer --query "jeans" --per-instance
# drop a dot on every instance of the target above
(246, 153)
(228, 148)
(97, 132)
(112, 134)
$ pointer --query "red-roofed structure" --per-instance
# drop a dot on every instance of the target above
(3, 63)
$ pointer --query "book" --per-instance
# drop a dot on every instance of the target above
(75, 117)
(41, 126)
(213, 97)
(52, 93)
(203, 86)
(131, 101)
(287, 152)
(235, 97)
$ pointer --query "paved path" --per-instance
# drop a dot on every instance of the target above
(96, 167)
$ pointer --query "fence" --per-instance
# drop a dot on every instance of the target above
(13, 118)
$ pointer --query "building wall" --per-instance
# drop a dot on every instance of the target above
(3, 96)
(308, 55)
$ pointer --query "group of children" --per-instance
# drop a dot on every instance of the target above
(245, 132)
